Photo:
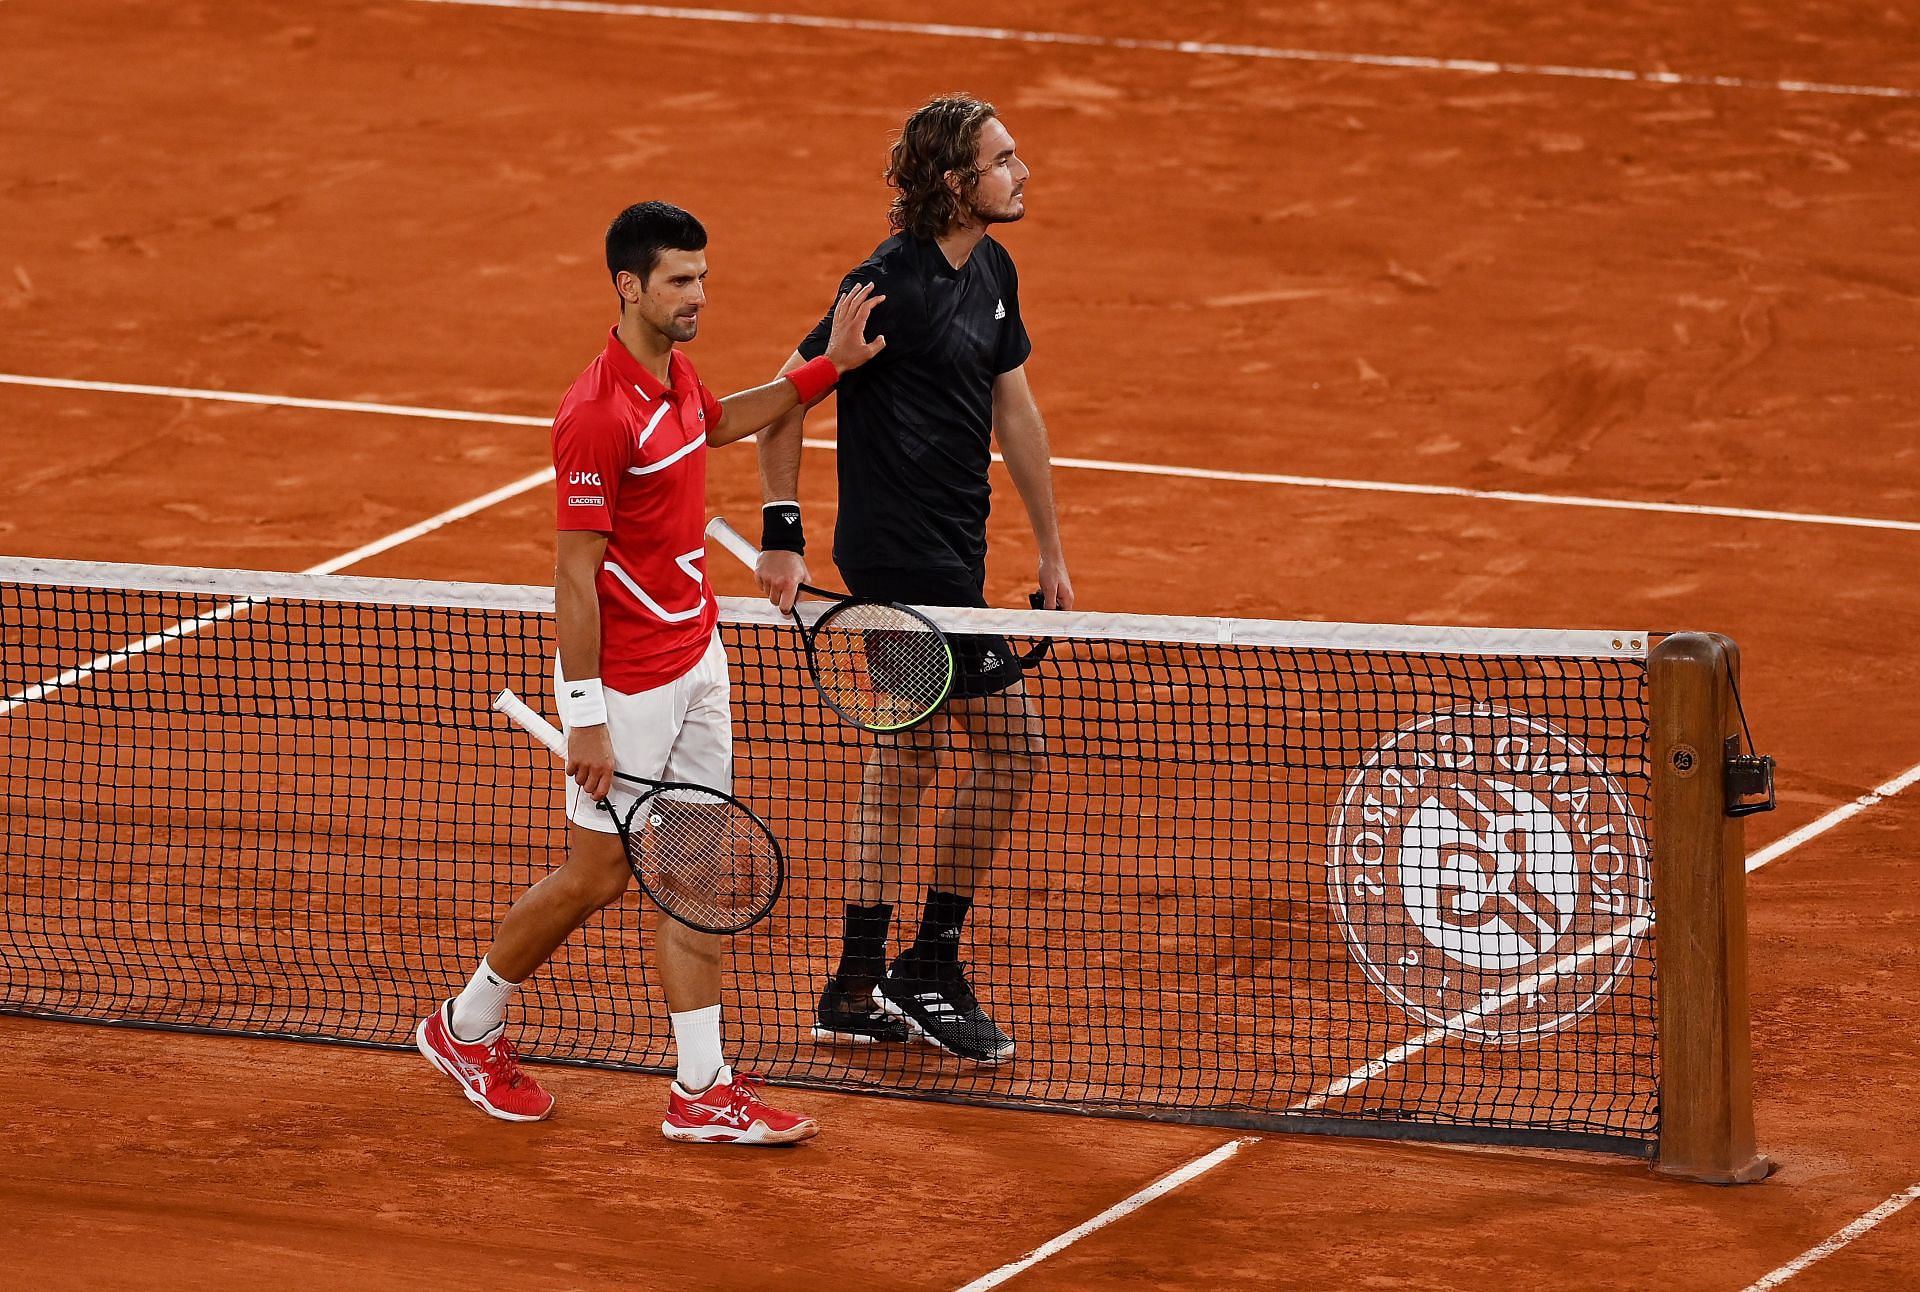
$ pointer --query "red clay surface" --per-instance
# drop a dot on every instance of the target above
(1540, 284)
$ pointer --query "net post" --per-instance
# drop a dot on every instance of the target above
(1706, 1075)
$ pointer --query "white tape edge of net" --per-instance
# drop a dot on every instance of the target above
(1410, 639)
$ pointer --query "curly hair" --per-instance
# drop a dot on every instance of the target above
(940, 138)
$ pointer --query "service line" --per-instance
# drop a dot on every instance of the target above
(1011, 35)
(1062, 463)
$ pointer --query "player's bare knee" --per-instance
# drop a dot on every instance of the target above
(597, 888)
(611, 888)
(677, 940)
(597, 874)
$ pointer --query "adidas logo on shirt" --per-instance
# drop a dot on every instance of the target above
(989, 662)
(999, 310)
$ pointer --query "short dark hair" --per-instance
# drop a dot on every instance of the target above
(640, 233)
(942, 136)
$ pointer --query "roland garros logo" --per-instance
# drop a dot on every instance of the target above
(1482, 865)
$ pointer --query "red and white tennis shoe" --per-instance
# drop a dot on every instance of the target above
(731, 1111)
(488, 1073)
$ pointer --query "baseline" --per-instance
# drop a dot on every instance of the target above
(1402, 62)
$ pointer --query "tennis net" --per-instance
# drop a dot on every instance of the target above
(1353, 878)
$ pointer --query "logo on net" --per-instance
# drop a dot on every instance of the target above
(1490, 874)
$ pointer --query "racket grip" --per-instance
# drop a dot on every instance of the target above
(530, 722)
(730, 538)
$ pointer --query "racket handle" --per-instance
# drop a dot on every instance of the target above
(530, 722)
(728, 537)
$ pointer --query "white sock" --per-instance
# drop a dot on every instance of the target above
(483, 1005)
(696, 1045)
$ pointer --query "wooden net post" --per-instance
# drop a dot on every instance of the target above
(1699, 877)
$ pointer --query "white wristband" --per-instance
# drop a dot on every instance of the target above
(583, 703)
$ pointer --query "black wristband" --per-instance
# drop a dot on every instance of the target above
(780, 529)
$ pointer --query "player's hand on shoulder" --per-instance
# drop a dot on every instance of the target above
(590, 759)
(847, 343)
(780, 575)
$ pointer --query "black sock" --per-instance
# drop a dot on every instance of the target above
(863, 947)
(939, 938)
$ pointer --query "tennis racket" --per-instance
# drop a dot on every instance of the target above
(883, 667)
(703, 857)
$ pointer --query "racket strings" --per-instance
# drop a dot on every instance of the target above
(880, 665)
(704, 858)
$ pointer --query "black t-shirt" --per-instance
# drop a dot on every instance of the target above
(916, 424)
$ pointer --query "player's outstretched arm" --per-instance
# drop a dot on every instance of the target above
(750, 411)
(1022, 433)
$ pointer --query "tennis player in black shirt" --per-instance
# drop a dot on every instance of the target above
(917, 426)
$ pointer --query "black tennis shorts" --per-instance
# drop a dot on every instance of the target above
(983, 663)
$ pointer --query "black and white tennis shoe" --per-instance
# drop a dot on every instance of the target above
(936, 1001)
(848, 1020)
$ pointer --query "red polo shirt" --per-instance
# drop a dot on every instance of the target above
(630, 462)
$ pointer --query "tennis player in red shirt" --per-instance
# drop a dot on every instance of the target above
(640, 678)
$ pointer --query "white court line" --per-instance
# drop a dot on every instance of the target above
(1489, 495)
(1067, 464)
(1403, 62)
(1835, 1243)
(431, 523)
(1846, 811)
(1566, 964)
(1164, 1185)
(272, 401)
(219, 614)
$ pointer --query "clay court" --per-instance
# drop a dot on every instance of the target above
(1413, 313)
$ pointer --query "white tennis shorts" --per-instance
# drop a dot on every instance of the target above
(681, 731)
